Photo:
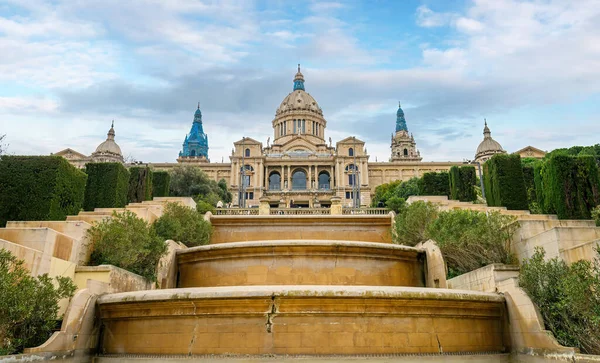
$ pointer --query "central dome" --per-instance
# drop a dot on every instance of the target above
(298, 100)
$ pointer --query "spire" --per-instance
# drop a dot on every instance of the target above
(486, 130)
(111, 132)
(299, 80)
(400, 121)
(198, 104)
(198, 115)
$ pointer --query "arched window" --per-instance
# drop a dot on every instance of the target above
(247, 153)
(405, 152)
(299, 180)
(350, 167)
(274, 181)
(324, 180)
(193, 153)
(351, 152)
(247, 167)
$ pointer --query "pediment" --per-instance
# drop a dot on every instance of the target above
(350, 140)
(298, 143)
(247, 141)
(530, 148)
(69, 153)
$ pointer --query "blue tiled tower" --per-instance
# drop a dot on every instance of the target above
(196, 142)
(400, 120)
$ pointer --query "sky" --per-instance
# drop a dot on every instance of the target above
(68, 68)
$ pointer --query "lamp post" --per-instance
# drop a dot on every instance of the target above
(355, 178)
(242, 188)
(480, 175)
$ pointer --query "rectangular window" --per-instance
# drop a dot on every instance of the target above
(295, 131)
(351, 179)
(349, 195)
(246, 180)
(304, 126)
(249, 195)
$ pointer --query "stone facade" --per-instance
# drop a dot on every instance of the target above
(531, 152)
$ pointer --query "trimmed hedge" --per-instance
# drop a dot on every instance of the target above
(140, 184)
(107, 186)
(529, 180)
(462, 181)
(504, 183)
(161, 180)
(570, 186)
(435, 184)
(39, 188)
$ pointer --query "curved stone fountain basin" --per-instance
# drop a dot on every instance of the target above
(300, 262)
(302, 320)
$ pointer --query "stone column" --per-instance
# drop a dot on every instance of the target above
(309, 177)
(336, 205)
(264, 209)
(289, 177)
(332, 178)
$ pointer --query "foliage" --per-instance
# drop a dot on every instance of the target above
(395, 204)
(107, 186)
(412, 221)
(471, 239)
(398, 189)
(183, 224)
(596, 215)
(222, 184)
(593, 150)
(568, 298)
(39, 188)
(529, 162)
(140, 184)
(504, 182)
(161, 180)
(529, 181)
(570, 186)
(384, 192)
(202, 207)
(28, 305)
(190, 181)
(3, 146)
(128, 242)
(435, 184)
(462, 182)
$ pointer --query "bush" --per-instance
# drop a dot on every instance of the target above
(395, 204)
(128, 242)
(39, 188)
(470, 239)
(504, 182)
(107, 186)
(140, 184)
(28, 305)
(596, 215)
(570, 186)
(384, 192)
(568, 298)
(462, 182)
(412, 221)
(435, 184)
(161, 181)
(529, 181)
(184, 225)
(202, 207)
(190, 181)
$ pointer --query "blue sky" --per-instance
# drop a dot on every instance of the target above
(67, 68)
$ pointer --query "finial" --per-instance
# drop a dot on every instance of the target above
(399, 105)
(198, 104)
(485, 121)
(112, 124)
(298, 67)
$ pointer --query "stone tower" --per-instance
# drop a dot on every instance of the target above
(195, 145)
(404, 147)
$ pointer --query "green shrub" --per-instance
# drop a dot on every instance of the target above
(435, 184)
(28, 305)
(395, 204)
(190, 181)
(128, 242)
(596, 215)
(384, 192)
(107, 186)
(412, 221)
(539, 188)
(184, 225)
(568, 298)
(202, 207)
(462, 182)
(469, 239)
(39, 188)
(504, 182)
(161, 180)
(140, 184)
(570, 186)
(529, 181)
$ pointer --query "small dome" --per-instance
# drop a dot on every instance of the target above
(109, 145)
(488, 146)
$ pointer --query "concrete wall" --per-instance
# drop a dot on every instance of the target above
(115, 278)
(484, 279)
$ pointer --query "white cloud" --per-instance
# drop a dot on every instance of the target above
(428, 18)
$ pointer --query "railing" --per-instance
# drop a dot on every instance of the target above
(300, 211)
(236, 211)
(370, 211)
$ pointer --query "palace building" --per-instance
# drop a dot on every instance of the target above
(301, 166)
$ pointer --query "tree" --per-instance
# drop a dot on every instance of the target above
(3, 146)
(183, 224)
(128, 242)
(412, 221)
(28, 305)
(190, 181)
